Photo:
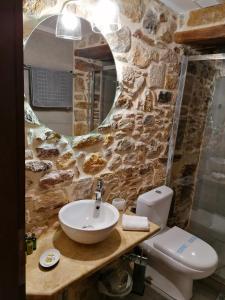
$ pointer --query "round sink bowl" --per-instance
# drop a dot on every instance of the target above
(83, 223)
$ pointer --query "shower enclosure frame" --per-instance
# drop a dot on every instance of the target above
(173, 134)
(214, 281)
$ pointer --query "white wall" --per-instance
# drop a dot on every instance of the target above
(44, 50)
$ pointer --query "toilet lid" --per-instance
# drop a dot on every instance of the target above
(187, 249)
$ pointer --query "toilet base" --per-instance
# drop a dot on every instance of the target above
(174, 284)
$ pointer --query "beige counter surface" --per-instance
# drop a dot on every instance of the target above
(77, 261)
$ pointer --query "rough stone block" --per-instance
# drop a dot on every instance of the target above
(66, 160)
(146, 169)
(126, 124)
(123, 101)
(80, 115)
(88, 141)
(108, 153)
(141, 56)
(120, 41)
(106, 128)
(124, 145)
(156, 76)
(171, 82)
(79, 84)
(151, 20)
(168, 56)
(149, 120)
(80, 128)
(130, 158)
(115, 162)
(50, 200)
(81, 104)
(136, 134)
(108, 140)
(117, 117)
(38, 165)
(119, 135)
(132, 80)
(143, 37)
(140, 146)
(147, 100)
(47, 151)
(94, 164)
(56, 177)
(82, 188)
(132, 9)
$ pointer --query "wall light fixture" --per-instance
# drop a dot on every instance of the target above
(105, 17)
(68, 24)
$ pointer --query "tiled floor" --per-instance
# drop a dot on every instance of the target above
(201, 292)
(150, 294)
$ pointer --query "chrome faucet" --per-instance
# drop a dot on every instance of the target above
(98, 193)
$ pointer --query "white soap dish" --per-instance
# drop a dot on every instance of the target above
(49, 258)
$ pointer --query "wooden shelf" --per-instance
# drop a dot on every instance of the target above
(101, 52)
(202, 36)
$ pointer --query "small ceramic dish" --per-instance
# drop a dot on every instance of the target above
(49, 258)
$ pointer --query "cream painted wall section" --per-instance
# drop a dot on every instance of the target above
(44, 50)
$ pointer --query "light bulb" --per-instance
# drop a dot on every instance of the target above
(69, 21)
(105, 17)
(68, 26)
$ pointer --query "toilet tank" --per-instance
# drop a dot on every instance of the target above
(155, 205)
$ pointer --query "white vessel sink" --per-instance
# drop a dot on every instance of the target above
(83, 223)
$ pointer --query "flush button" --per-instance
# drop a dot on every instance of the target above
(158, 192)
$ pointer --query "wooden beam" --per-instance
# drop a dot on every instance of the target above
(101, 52)
(202, 36)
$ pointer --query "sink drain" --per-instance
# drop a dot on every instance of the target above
(87, 226)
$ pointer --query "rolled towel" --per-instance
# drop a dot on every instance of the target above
(135, 223)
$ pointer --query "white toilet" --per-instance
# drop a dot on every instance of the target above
(176, 257)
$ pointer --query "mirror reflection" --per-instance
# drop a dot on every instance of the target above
(70, 84)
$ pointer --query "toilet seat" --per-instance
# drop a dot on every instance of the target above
(187, 249)
(174, 272)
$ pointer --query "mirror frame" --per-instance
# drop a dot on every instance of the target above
(30, 22)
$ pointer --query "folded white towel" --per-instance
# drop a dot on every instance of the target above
(135, 223)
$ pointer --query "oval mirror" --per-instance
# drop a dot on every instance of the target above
(69, 84)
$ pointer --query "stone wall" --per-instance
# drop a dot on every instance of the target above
(129, 151)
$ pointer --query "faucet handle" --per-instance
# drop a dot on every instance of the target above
(100, 184)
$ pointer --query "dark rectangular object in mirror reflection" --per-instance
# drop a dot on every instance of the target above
(50, 88)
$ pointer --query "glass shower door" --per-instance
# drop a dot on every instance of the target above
(208, 212)
(196, 163)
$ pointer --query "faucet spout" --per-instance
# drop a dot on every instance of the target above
(98, 194)
(100, 185)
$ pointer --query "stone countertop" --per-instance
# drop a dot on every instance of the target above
(77, 261)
